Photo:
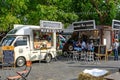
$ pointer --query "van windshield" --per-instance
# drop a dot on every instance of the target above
(7, 41)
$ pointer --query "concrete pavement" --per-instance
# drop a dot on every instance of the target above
(62, 69)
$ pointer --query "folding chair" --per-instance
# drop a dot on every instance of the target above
(22, 74)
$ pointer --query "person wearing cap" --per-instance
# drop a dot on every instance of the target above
(115, 49)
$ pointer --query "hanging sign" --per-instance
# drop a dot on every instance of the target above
(116, 24)
(84, 25)
(51, 26)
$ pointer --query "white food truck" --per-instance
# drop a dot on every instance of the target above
(33, 42)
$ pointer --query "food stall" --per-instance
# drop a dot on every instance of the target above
(99, 35)
(116, 31)
(87, 31)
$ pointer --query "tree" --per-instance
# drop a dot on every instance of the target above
(12, 12)
(103, 11)
(53, 10)
(66, 11)
(106, 10)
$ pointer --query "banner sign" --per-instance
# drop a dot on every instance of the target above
(51, 26)
(84, 25)
(116, 24)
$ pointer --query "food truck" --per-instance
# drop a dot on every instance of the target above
(100, 35)
(33, 42)
(88, 31)
(116, 31)
(82, 30)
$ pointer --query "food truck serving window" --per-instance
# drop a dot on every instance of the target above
(41, 38)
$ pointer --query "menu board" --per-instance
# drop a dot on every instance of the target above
(84, 25)
(8, 54)
(50, 26)
(116, 24)
(102, 49)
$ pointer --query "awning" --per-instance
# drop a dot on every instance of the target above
(115, 29)
(51, 30)
(86, 30)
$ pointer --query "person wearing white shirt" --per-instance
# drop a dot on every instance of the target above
(83, 45)
(115, 49)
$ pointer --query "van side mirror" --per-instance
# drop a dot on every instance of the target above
(15, 44)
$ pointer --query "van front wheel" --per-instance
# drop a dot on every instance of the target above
(70, 47)
(48, 58)
(20, 62)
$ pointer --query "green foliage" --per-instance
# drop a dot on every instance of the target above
(65, 11)
(12, 12)
(103, 11)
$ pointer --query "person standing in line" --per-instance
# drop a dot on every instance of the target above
(77, 45)
(91, 46)
(83, 46)
(115, 49)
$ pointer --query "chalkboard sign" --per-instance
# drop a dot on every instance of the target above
(96, 49)
(102, 49)
(8, 54)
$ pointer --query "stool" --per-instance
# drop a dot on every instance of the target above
(83, 56)
(90, 56)
(75, 55)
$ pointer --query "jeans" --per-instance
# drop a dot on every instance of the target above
(115, 54)
(77, 49)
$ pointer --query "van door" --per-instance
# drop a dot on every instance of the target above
(22, 50)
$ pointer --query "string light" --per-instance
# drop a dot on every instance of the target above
(86, 13)
(89, 13)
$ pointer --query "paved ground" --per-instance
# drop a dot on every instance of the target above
(62, 69)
